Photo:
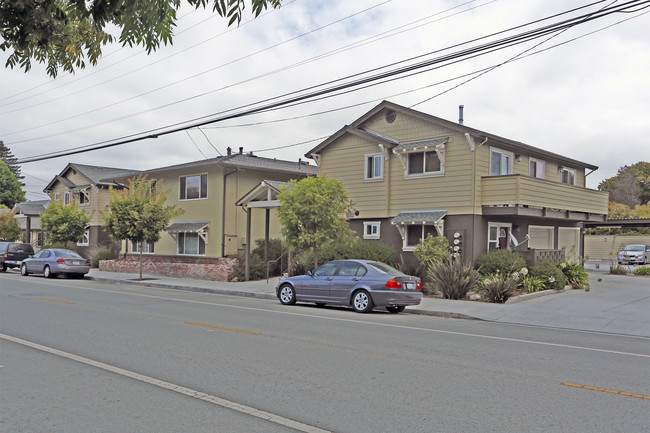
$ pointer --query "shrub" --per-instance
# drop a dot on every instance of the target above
(357, 249)
(642, 270)
(275, 251)
(500, 261)
(550, 273)
(575, 275)
(433, 249)
(498, 287)
(101, 254)
(452, 279)
(532, 284)
(617, 270)
(256, 264)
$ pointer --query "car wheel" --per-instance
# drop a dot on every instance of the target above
(47, 273)
(362, 302)
(287, 295)
(23, 270)
(4, 268)
(395, 309)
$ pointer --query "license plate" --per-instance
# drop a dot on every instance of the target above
(408, 286)
(76, 262)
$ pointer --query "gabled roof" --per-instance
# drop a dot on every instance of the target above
(95, 174)
(36, 207)
(506, 143)
(243, 161)
(266, 190)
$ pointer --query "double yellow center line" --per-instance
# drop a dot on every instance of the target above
(611, 391)
(221, 327)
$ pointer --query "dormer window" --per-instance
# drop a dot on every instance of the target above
(568, 176)
(422, 158)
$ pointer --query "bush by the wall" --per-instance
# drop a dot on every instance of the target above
(575, 275)
(101, 254)
(532, 284)
(453, 280)
(498, 287)
(505, 262)
(550, 273)
(357, 249)
(433, 249)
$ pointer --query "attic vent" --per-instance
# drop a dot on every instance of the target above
(390, 116)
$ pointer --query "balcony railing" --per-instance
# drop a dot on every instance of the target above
(519, 190)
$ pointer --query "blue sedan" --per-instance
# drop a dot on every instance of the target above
(54, 261)
(361, 284)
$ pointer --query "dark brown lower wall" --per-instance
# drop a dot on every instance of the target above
(219, 269)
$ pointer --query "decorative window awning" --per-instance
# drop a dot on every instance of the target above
(426, 217)
(189, 227)
(436, 144)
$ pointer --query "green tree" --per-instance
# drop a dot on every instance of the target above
(312, 213)
(10, 160)
(433, 249)
(641, 211)
(11, 191)
(64, 33)
(10, 230)
(64, 223)
(633, 179)
(138, 213)
(617, 210)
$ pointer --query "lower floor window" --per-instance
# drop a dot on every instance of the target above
(371, 230)
(498, 236)
(147, 248)
(85, 239)
(416, 233)
(191, 244)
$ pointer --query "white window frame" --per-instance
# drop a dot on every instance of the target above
(538, 163)
(571, 172)
(182, 236)
(66, 198)
(57, 197)
(201, 192)
(377, 162)
(504, 154)
(498, 226)
(85, 239)
(551, 229)
(374, 227)
(149, 248)
(405, 238)
(424, 173)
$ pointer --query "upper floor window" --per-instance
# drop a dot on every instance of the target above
(66, 198)
(374, 169)
(568, 176)
(500, 162)
(193, 187)
(422, 163)
(57, 196)
(536, 168)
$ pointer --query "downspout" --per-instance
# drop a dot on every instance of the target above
(223, 214)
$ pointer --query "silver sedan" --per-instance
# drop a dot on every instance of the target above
(361, 284)
(54, 261)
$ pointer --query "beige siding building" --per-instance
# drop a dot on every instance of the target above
(411, 174)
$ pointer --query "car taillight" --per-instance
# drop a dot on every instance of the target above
(419, 286)
(60, 261)
(87, 263)
(5, 255)
(393, 284)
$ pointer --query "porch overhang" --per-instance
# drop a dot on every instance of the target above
(542, 212)
(198, 227)
(427, 217)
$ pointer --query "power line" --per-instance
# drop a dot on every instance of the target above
(313, 92)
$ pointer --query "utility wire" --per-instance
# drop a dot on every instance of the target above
(296, 97)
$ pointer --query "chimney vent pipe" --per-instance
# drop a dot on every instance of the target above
(229, 149)
(241, 150)
(460, 114)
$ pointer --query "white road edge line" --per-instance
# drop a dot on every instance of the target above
(277, 419)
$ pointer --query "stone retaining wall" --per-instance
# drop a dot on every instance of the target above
(219, 269)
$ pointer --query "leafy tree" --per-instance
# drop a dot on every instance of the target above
(10, 160)
(138, 213)
(641, 211)
(433, 249)
(312, 213)
(617, 210)
(64, 223)
(10, 230)
(630, 190)
(63, 33)
(10, 188)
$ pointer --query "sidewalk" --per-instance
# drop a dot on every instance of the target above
(616, 304)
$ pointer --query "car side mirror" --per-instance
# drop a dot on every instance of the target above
(310, 273)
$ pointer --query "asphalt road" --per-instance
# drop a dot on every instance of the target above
(88, 356)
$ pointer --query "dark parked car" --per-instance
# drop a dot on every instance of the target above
(52, 262)
(358, 283)
(12, 253)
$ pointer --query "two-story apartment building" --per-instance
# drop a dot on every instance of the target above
(411, 174)
(213, 227)
(89, 186)
(28, 214)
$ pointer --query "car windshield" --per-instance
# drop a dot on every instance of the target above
(66, 254)
(20, 248)
(634, 248)
(383, 268)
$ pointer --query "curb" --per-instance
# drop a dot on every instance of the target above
(534, 295)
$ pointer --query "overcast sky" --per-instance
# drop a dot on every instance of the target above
(587, 99)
